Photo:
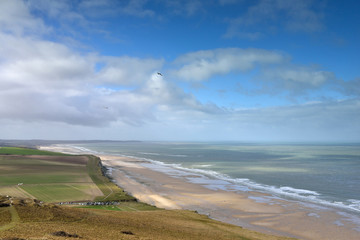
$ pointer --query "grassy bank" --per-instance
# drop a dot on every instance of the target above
(110, 190)
(33, 220)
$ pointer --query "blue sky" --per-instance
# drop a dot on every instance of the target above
(262, 70)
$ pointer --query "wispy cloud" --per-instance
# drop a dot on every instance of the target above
(202, 65)
(302, 16)
(273, 73)
(224, 2)
(293, 80)
(349, 88)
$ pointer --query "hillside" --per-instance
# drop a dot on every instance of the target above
(29, 219)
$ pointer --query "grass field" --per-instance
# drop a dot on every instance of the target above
(55, 177)
(61, 192)
(27, 151)
(50, 178)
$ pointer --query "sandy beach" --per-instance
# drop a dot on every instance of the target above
(249, 209)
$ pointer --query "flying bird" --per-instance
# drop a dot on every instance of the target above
(159, 73)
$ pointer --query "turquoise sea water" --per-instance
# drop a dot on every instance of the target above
(326, 174)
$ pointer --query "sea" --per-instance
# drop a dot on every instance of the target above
(324, 174)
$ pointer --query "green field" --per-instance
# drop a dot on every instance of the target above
(55, 177)
(27, 151)
(59, 192)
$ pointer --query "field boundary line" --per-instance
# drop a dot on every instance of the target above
(25, 192)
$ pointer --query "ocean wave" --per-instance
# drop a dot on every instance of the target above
(166, 155)
(82, 149)
(299, 191)
(215, 180)
(202, 165)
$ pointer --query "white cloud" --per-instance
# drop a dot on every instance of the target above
(30, 63)
(48, 82)
(45, 81)
(16, 18)
(168, 97)
(127, 70)
(42, 81)
(201, 65)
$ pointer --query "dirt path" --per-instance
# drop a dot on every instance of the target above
(111, 191)
(14, 219)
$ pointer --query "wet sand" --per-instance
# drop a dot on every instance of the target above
(252, 210)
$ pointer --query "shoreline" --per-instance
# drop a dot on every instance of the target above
(252, 210)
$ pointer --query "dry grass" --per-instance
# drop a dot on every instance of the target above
(5, 216)
(14, 191)
(40, 222)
